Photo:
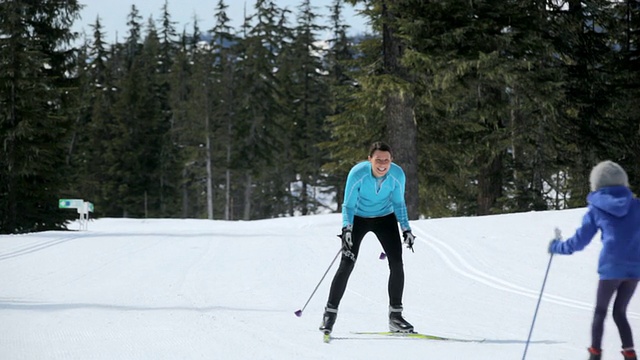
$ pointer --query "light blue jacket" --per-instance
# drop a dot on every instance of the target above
(367, 196)
(616, 213)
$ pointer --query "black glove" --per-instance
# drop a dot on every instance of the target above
(409, 239)
(347, 242)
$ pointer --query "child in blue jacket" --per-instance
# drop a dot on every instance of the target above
(615, 212)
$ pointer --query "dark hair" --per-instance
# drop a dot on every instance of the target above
(379, 145)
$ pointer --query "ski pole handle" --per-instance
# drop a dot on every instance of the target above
(558, 234)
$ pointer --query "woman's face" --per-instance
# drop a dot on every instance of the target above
(380, 162)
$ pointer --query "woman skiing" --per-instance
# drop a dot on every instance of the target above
(373, 201)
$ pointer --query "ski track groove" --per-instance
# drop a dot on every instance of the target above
(37, 247)
(457, 263)
(128, 251)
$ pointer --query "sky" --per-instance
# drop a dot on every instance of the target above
(113, 13)
(156, 289)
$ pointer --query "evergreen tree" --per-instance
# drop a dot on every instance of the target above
(534, 90)
(583, 39)
(167, 36)
(202, 114)
(473, 63)
(181, 90)
(259, 109)
(169, 173)
(87, 147)
(116, 154)
(399, 103)
(356, 119)
(627, 85)
(301, 73)
(505, 106)
(223, 45)
(390, 85)
(338, 60)
(134, 153)
(36, 101)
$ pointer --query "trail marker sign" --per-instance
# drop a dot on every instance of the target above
(84, 208)
(70, 203)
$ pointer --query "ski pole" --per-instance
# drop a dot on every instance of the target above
(299, 312)
(544, 282)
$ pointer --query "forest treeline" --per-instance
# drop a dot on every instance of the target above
(491, 106)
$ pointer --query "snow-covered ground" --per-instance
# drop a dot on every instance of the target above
(199, 289)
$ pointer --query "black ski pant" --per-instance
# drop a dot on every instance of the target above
(606, 289)
(386, 230)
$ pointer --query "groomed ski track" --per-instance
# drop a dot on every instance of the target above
(197, 289)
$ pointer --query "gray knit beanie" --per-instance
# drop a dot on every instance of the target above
(607, 173)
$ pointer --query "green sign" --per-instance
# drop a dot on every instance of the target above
(70, 203)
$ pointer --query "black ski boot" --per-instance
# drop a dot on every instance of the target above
(328, 319)
(396, 322)
(595, 354)
(629, 355)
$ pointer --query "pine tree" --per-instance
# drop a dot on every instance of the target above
(36, 96)
(259, 111)
(583, 39)
(92, 125)
(169, 174)
(399, 102)
(202, 118)
(167, 36)
(338, 60)
(470, 61)
(356, 120)
(387, 87)
(181, 91)
(625, 89)
(223, 45)
(534, 90)
(300, 70)
(134, 153)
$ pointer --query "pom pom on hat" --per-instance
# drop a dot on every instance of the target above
(607, 173)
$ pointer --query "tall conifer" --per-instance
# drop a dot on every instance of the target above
(36, 63)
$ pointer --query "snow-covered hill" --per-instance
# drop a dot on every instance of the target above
(198, 289)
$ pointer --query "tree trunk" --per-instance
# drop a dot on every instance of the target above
(399, 113)
(227, 201)
(247, 196)
(185, 193)
(209, 177)
(489, 183)
(304, 200)
(402, 137)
